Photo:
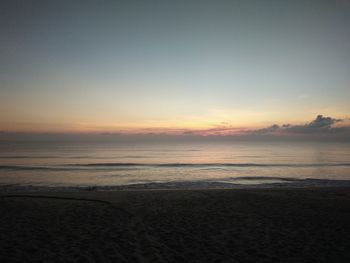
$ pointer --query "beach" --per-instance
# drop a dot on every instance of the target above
(232, 225)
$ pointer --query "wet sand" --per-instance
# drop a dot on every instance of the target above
(251, 225)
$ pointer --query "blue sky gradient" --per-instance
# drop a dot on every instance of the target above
(129, 66)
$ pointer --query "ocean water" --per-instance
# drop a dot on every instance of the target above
(169, 165)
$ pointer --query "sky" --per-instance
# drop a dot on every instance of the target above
(180, 67)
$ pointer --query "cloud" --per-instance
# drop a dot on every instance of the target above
(322, 128)
(267, 130)
(216, 131)
(319, 126)
(321, 123)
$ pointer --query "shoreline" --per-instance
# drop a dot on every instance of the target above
(180, 185)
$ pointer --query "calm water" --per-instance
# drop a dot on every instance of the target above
(108, 164)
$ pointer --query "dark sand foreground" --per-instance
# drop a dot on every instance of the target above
(262, 225)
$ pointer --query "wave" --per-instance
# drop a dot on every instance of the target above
(178, 185)
(130, 166)
(28, 168)
(28, 157)
(59, 168)
(211, 165)
(264, 178)
(63, 157)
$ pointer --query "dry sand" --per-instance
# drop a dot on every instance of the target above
(261, 225)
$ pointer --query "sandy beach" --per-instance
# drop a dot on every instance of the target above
(251, 225)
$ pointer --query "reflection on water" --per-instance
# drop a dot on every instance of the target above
(72, 164)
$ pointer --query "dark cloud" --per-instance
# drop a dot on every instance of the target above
(321, 121)
(267, 130)
(320, 125)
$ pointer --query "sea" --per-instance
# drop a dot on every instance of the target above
(172, 165)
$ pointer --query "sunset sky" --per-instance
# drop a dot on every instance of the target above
(173, 66)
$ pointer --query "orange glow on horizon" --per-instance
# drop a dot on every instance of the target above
(216, 123)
